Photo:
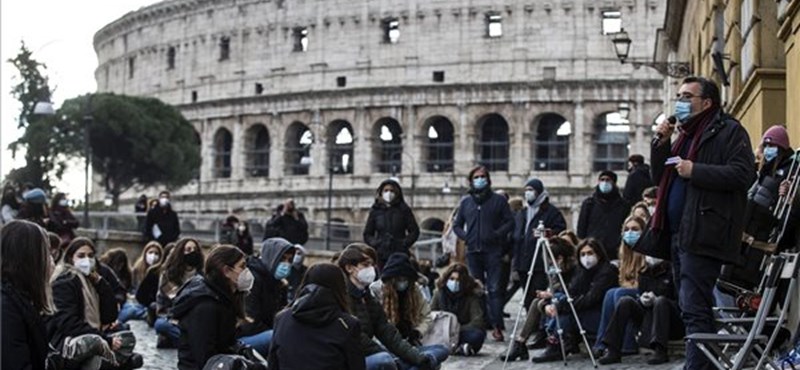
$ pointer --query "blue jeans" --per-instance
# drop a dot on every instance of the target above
(260, 342)
(438, 351)
(131, 311)
(695, 277)
(474, 337)
(590, 320)
(486, 267)
(168, 329)
(380, 361)
(610, 301)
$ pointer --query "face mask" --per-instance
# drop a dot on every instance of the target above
(64, 202)
(479, 183)
(194, 259)
(85, 265)
(652, 261)
(453, 286)
(245, 281)
(401, 285)
(151, 258)
(630, 237)
(530, 196)
(242, 228)
(163, 202)
(366, 275)
(605, 187)
(282, 271)
(388, 196)
(652, 210)
(770, 153)
(683, 110)
(588, 261)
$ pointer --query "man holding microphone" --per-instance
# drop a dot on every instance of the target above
(703, 178)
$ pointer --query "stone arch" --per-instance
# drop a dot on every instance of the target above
(340, 146)
(257, 147)
(297, 157)
(438, 144)
(387, 153)
(492, 144)
(611, 142)
(550, 133)
(223, 147)
(199, 141)
(432, 224)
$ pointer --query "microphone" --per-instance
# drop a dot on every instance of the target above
(657, 137)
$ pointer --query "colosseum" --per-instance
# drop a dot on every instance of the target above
(291, 97)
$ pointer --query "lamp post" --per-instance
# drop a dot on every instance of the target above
(87, 154)
(622, 46)
(624, 109)
(331, 169)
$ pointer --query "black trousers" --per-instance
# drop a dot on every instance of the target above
(658, 324)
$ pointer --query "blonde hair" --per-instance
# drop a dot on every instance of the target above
(630, 262)
(140, 267)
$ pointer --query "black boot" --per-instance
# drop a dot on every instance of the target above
(611, 357)
(539, 341)
(518, 351)
(659, 357)
(551, 353)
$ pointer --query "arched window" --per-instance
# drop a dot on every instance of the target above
(438, 148)
(493, 142)
(223, 145)
(388, 151)
(257, 153)
(199, 142)
(611, 142)
(551, 143)
(297, 156)
(340, 147)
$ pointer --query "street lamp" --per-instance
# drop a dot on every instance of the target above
(87, 155)
(331, 169)
(624, 110)
(622, 46)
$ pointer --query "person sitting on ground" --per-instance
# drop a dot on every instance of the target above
(117, 260)
(317, 330)
(641, 210)
(402, 299)
(185, 261)
(458, 293)
(134, 309)
(299, 269)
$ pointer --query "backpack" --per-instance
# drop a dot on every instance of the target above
(444, 330)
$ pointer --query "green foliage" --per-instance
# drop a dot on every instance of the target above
(33, 85)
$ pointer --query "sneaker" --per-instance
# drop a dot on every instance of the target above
(552, 353)
(659, 357)
(610, 358)
(136, 361)
(164, 342)
(518, 351)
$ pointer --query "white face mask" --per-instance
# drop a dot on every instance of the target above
(530, 196)
(242, 228)
(245, 281)
(85, 265)
(652, 210)
(652, 261)
(63, 202)
(388, 196)
(151, 258)
(588, 261)
(366, 275)
(163, 202)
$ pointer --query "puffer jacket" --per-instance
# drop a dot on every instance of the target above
(588, 287)
(268, 295)
(525, 239)
(390, 228)
(24, 343)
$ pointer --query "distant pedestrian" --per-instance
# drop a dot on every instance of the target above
(237, 233)
(141, 208)
(162, 223)
(288, 223)
(34, 207)
(638, 179)
(391, 226)
(62, 221)
(602, 214)
(10, 205)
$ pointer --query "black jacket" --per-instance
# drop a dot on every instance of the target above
(230, 235)
(167, 221)
(316, 334)
(466, 306)
(487, 218)
(601, 218)
(658, 279)
(525, 239)
(390, 227)
(268, 295)
(24, 343)
(588, 287)
(207, 320)
(711, 223)
(148, 288)
(63, 223)
(287, 227)
(761, 200)
(638, 180)
(70, 318)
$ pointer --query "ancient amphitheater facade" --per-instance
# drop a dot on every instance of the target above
(284, 93)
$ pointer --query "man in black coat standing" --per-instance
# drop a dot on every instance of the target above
(391, 226)
(703, 179)
(162, 223)
(638, 179)
(288, 223)
(603, 213)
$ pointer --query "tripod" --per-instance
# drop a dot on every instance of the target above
(551, 266)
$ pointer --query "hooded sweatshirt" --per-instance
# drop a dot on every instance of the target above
(391, 227)
(268, 295)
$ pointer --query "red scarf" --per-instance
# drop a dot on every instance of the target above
(693, 129)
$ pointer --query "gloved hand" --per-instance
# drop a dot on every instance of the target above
(647, 299)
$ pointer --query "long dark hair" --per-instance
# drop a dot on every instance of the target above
(26, 262)
(73, 247)
(329, 276)
(465, 280)
(354, 254)
(117, 260)
(174, 267)
(220, 257)
(596, 246)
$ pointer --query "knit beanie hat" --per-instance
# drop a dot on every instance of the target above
(36, 196)
(776, 135)
(536, 184)
(398, 265)
(608, 173)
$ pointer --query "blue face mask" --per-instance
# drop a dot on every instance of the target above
(605, 187)
(283, 270)
(479, 183)
(401, 285)
(770, 153)
(453, 286)
(683, 109)
(630, 237)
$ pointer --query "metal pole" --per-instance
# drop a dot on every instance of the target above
(330, 203)
(87, 120)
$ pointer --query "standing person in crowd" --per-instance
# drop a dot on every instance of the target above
(34, 207)
(317, 330)
(564, 254)
(298, 271)
(391, 226)
(537, 209)
(83, 325)
(162, 223)
(453, 248)
(702, 194)
(357, 261)
(185, 261)
(515, 205)
(27, 297)
(117, 260)
(587, 287)
(236, 232)
(137, 310)
(458, 293)
(631, 264)
(210, 308)
(402, 299)
(288, 223)
(638, 179)
(141, 207)
(10, 205)
(602, 214)
(62, 221)
(482, 221)
(654, 311)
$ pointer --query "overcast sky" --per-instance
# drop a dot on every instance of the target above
(59, 33)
